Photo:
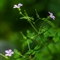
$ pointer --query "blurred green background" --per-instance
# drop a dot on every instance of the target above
(10, 22)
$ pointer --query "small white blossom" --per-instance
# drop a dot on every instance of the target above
(18, 6)
(51, 15)
(9, 52)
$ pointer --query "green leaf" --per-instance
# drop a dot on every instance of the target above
(25, 17)
(46, 34)
(29, 19)
(52, 32)
(18, 59)
(43, 54)
(29, 51)
(30, 34)
(52, 47)
(58, 32)
(37, 47)
(56, 38)
(17, 54)
(25, 43)
(38, 38)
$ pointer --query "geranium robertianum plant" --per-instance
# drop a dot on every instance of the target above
(46, 37)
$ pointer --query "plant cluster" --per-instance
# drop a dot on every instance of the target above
(45, 39)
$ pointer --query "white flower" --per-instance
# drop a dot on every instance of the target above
(9, 52)
(18, 6)
(51, 15)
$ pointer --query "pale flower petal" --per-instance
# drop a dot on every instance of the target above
(18, 6)
(6, 51)
(15, 6)
(51, 15)
(9, 52)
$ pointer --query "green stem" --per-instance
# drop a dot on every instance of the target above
(28, 45)
(50, 23)
(33, 27)
(28, 20)
(26, 39)
(36, 31)
(21, 13)
(4, 56)
(40, 33)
